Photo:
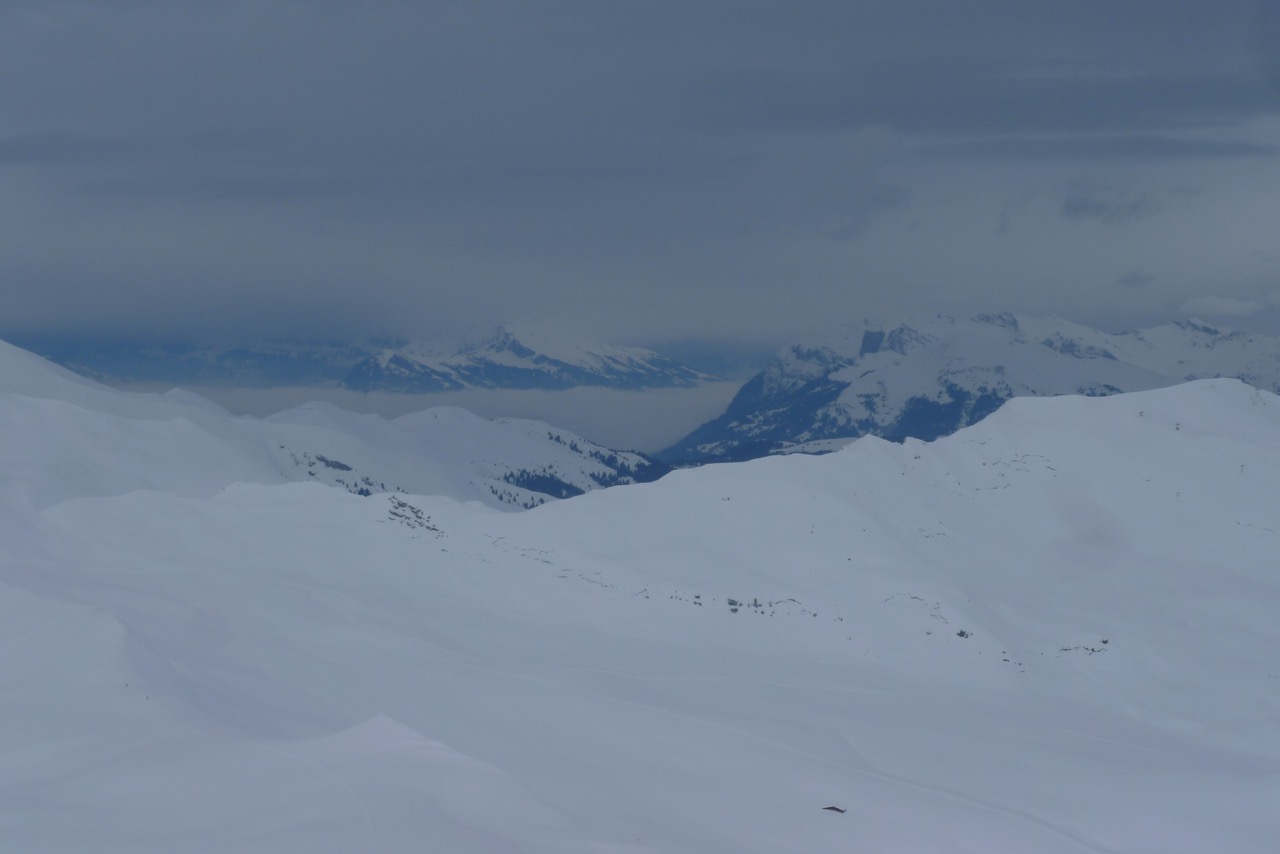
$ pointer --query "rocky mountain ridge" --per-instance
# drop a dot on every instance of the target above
(515, 358)
(930, 377)
(510, 358)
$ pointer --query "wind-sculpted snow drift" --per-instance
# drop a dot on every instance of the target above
(1053, 631)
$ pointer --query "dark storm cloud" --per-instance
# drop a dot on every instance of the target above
(1266, 31)
(647, 170)
(1139, 148)
(977, 96)
(1110, 204)
(1135, 279)
(53, 147)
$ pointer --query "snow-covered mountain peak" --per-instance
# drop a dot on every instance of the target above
(520, 357)
(928, 377)
(523, 345)
(512, 356)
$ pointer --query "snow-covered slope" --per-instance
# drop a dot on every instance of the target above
(933, 376)
(514, 358)
(66, 436)
(1053, 631)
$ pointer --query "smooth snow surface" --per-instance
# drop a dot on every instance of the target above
(1052, 632)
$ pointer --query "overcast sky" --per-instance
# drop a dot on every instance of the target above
(640, 171)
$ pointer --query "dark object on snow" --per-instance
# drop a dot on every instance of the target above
(835, 809)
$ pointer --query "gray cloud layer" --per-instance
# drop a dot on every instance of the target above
(645, 170)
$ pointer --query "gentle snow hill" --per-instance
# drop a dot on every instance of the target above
(932, 376)
(66, 437)
(1053, 631)
(520, 358)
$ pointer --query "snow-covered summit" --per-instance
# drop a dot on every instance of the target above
(519, 358)
(929, 377)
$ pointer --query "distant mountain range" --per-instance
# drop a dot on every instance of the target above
(928, 378)
(245, 365)
(921, 379)
(510, 358)
(514, 358)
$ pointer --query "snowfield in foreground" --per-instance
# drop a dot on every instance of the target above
(1054, 631)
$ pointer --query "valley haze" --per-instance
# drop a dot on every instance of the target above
(646, 420)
